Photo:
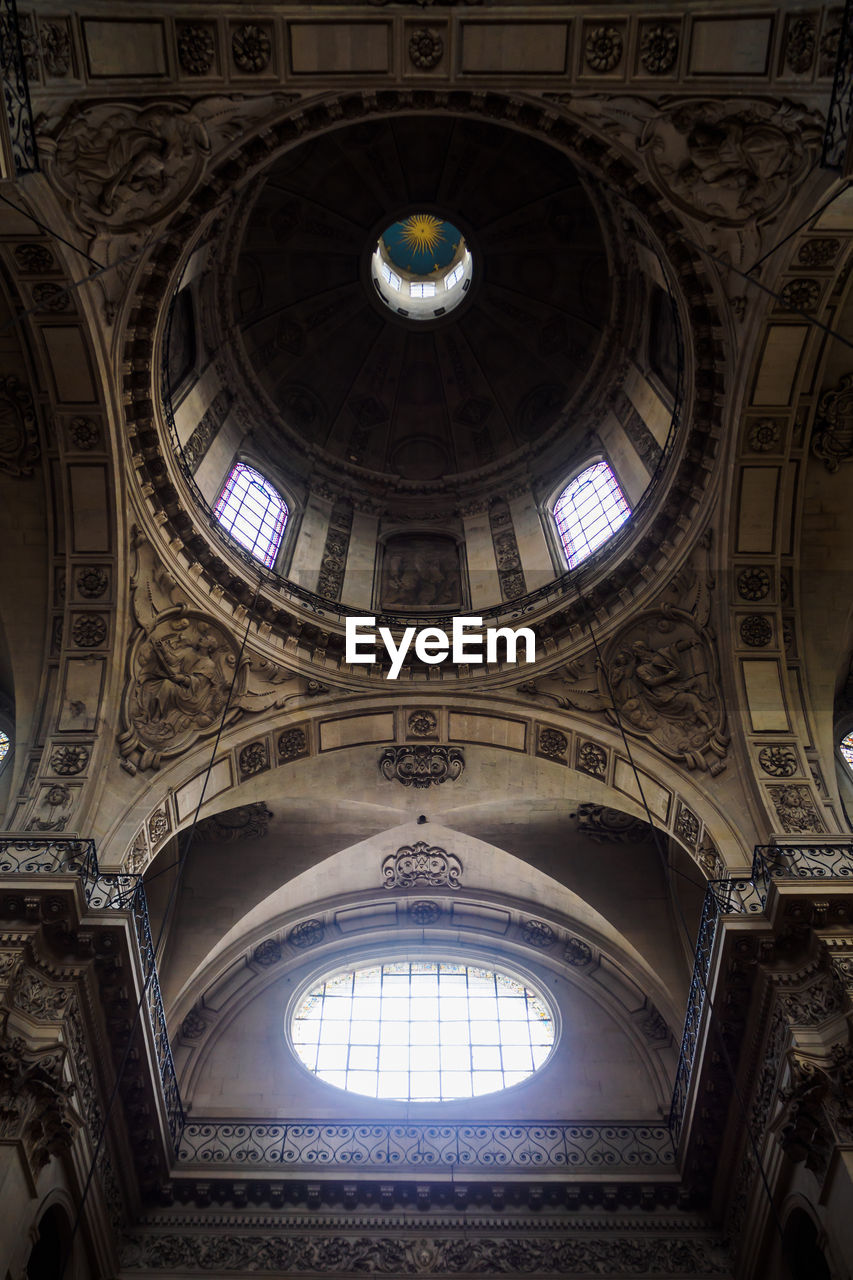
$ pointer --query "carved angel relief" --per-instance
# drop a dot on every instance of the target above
(662, 675)
(185, 673)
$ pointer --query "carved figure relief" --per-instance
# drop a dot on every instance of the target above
(122, 166)
(796, 810)
(184, 672)
(421, 571)
(730, 162)
(663, 675)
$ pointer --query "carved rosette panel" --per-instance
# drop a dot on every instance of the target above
(420, 864)
(421, 764)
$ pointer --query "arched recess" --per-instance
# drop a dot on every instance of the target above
(490, 906)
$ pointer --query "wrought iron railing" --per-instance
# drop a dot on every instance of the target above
(16, 91)
(840, 114)
(117, 892)
(606, 1148)
(743, 896)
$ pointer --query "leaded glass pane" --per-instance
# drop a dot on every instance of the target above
(254, 514)
(589, 511)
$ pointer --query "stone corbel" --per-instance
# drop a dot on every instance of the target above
(36, 1107)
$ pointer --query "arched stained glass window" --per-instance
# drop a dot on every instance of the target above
(589, 511)
(422, 1030)
(251, 510)
(4, 747)
(846, 745)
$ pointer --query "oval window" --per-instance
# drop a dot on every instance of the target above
(422, 1030)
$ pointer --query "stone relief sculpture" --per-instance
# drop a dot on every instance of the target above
(185, 672)
(660, 678)
(833, 432)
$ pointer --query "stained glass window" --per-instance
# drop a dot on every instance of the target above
(846, 745)
(589, 511)
(422, 1030)
(4, 747)
(251, 510)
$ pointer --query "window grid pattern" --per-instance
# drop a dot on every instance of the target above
(454, 276)
(390, 276)
(589, 511)
(425, 289)
(423, 1031)
(4, 747)
(846, 745)
(252, 512)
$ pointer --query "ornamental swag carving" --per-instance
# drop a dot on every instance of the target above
(663, 673)
(422, 764)
(421, 864)
(181, 665)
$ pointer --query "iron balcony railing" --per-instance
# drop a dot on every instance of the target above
(16, 92)
(735, 896)
(836, 137)
(315, 1145)
(110, 891)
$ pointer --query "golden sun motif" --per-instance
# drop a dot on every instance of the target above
(423, 232)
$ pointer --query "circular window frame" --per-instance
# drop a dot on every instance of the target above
(439, 954)
(421, 324)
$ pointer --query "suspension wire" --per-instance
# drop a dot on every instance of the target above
(170, 902)
(799, 227)
(713, 1021)
(50, 231)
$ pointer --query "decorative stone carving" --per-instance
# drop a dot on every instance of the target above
(687, 826)
(422, 723)
(138, 855)
(662, 675)
(159, 826)
(91, 582)
(603, 48)
(536, 933)
(56, 48)
(421, 864)
(19, 442)
(764, 435)
(196, 49)
(84, 434)
(552, 744)
(819, 252)
(800, 295)
(425, 48)
(577, 953)
(424, 913)
(193, 1025)
(34, 258)
(308, 933)
(592, 759)
(658, 49)
(611, 826)
(69, 759)
(796, 810)
(422, 765)
(122, 166)
(507, 557)
(35, 1101)
(800, 44)
(653, 1025)
(833, 433)
(754, 584)
(203, 434)
(755, 630)
(333, 563)
(709, 859)
(89, 630)
(254, 758)
(51, 297)
(56, 802)
(245, 822)
(268, 952)
(186, 674)
(778, 759)
(292, 744)
(251, 48)
(821, 1000)
(730, 161)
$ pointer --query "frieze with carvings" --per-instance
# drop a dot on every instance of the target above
(611, 826)
(35, 1100)
(419, 864)
(421, 764)
(186, 674)
(246, 822)
(662, 674)
(19, 442)
(832, 440)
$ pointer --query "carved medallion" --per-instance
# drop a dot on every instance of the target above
(796, 810)
(419, 765)
(421, 864)
(122, 166)
(611, 826)
(833, 434)
(246, 822)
